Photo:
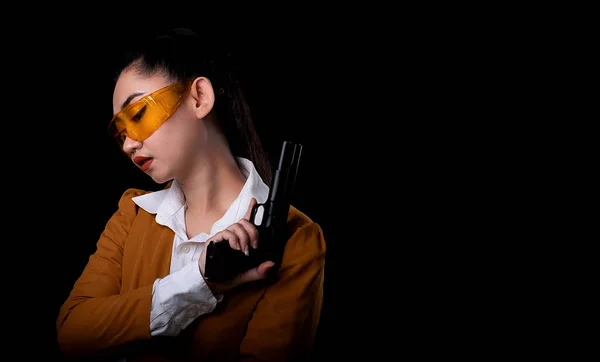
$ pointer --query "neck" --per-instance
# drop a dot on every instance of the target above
(213, 185)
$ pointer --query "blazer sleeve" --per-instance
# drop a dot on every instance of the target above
(284, 324)
(96, 315)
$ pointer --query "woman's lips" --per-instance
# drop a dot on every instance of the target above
(143, 162)
(146, 165)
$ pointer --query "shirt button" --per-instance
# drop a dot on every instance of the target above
(185, 249)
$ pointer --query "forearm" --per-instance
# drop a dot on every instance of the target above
(92, 324)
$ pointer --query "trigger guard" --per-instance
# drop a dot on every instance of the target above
(254, 211)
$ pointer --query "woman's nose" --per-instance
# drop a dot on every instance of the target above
(130, 145)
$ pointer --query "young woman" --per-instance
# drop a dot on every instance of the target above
(180, 116)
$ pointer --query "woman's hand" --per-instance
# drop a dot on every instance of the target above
(241, 236)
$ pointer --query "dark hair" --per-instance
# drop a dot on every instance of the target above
(180, 54)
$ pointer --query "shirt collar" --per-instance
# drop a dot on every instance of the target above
(166, 203)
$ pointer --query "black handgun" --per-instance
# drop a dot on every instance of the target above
(223, 262)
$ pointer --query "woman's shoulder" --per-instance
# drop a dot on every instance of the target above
(297, 218)
(126, 201)
(305, 233)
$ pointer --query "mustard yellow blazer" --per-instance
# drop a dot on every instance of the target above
(108, 310)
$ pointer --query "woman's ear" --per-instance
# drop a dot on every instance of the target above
(204, 96)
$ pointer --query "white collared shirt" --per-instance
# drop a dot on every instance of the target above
(183, 295)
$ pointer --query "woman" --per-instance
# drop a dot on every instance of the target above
(182, 120)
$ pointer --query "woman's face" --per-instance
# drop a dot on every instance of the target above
(167, 151)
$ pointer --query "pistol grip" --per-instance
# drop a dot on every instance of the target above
(224, 263)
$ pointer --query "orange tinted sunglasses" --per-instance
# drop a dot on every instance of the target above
(140, 119)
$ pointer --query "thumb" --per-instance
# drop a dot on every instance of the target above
(258, 273)
(263, 269)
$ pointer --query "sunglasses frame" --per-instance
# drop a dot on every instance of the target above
(156, 101)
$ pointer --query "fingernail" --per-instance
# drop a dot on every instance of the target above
(246, 251)
(255, 244)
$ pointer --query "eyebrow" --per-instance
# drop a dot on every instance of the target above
(128, 100)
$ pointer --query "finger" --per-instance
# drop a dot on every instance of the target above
(242, 236)
(218, 237)
(251, 231)
(229, 237)
(249, 212)
(254, 274)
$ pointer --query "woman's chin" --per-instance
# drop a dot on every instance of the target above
(160, 179)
